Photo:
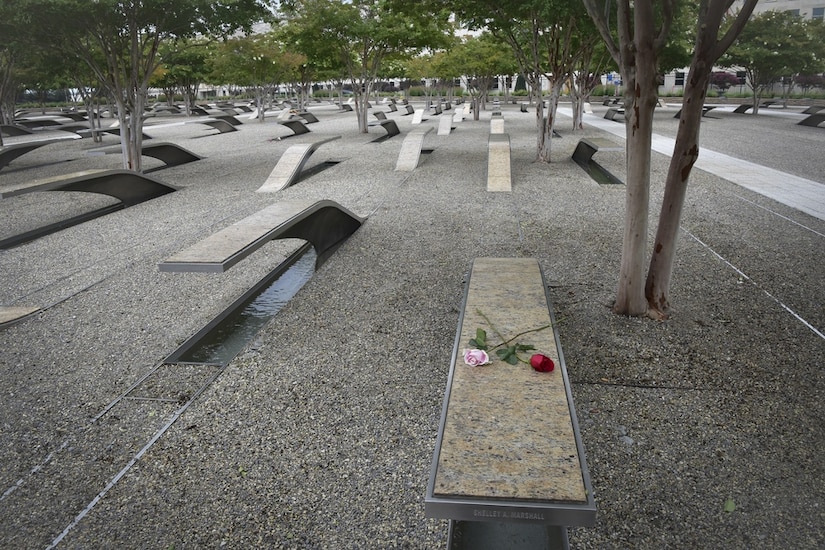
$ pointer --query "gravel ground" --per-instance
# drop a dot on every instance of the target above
(321, 432)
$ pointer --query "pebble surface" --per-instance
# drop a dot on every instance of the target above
(320, 433)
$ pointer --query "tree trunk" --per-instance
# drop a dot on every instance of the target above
(685, 153)
(125, 136)
(642, 87)
(686, 150)
(542, 147)
(362, 96)
(549, 122)
(259, 101)
(578, 111)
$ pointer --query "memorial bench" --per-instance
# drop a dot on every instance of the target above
(612, 113)
(10, 315)
(410, 152)
(290, 164)
(15, 130)
(498, 163)
(128, 187)
(85, 131)
(38, 122)
(813, 109)
(445, 124)
(747, 106)
(220, 125)
(228, 118)
(10, 152)
(296, 125)
(171, 154)
(308, 117)
(705, 110)
(813, 120)
(326, 224)
(508, 468)
(389, 125)
(583, 156)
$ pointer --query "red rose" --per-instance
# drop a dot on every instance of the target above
(542, 363)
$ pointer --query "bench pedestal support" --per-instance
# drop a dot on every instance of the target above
(481, 535)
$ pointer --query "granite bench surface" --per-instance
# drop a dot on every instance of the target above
(507, 431)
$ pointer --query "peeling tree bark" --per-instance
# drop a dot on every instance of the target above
(630, 298)
(641, 39)
(686, 151)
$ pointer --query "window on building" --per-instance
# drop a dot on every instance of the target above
(793, 12)
(680, 78)
(818, 13)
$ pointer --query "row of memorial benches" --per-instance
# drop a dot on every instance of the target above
(526, 472)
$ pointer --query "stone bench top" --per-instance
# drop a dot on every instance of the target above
(44, 184)
(290, 164)
(325, 223)
(11, 151)
(410, 152)
(11, 314)
(498, 163)
(127, 186)
(508, 439)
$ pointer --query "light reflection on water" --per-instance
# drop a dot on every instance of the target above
(224, 342)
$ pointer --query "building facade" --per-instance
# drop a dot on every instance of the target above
(809, 9)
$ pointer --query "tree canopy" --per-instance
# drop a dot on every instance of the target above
(120, 41)
(776, 45)
(361, 34)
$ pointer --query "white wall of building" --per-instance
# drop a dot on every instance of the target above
(809, 9)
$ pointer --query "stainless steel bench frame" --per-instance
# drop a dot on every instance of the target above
(477, 513)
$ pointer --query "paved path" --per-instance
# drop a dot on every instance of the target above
(803, 194)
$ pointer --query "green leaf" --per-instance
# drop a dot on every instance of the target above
(730, 506)
(480, 341)
(525, 347)
(508, 355)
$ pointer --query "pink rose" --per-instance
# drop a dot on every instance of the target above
(542, 363)
(476, 357)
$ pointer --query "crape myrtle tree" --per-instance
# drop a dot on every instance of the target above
(44, 70)
(722, 81)
(257, 63)
(636, 33)
(808, 82)
(321, 60)
(547, 38)
(364, 33)
(12, 49)
(442, 67)
(775, 45)
(184, 68)
(481, 58)
(592, 63)
(421, 68)
(119, 40)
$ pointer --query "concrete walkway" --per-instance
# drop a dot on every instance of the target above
(803, 194)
